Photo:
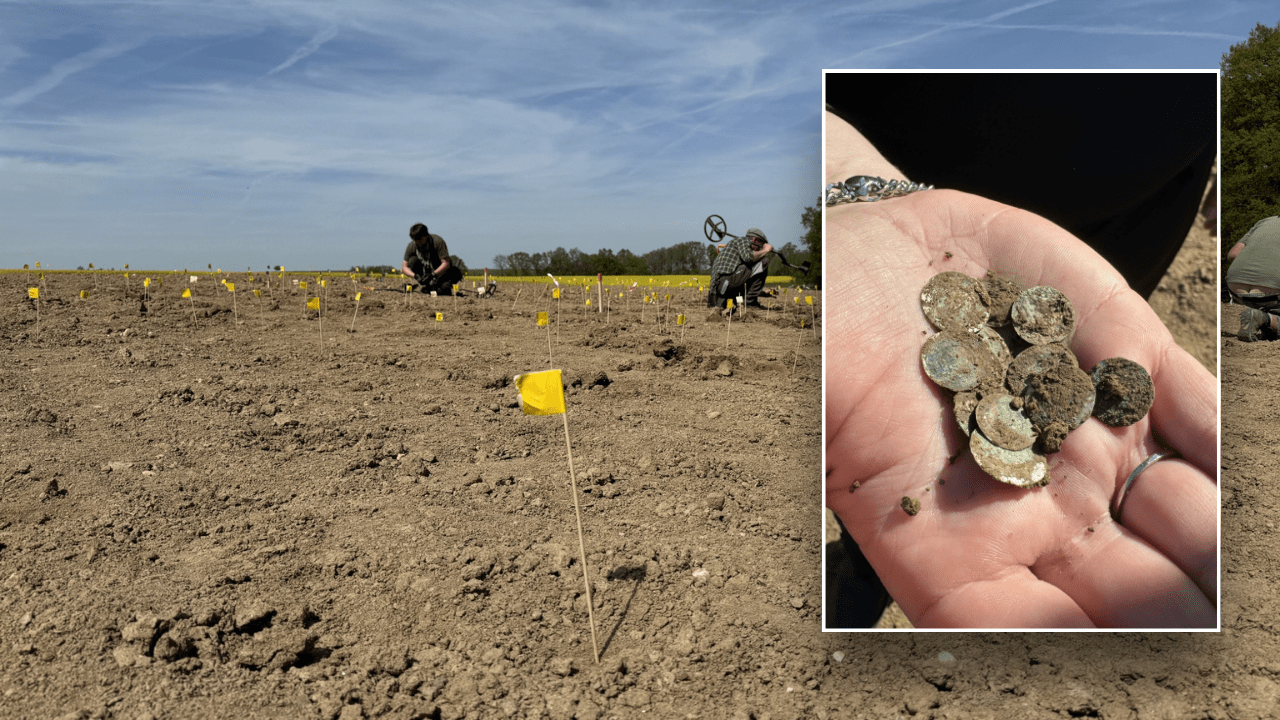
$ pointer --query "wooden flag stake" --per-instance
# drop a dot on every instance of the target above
(795, 358)
(513, 302)
(354, 314)
(582, 547)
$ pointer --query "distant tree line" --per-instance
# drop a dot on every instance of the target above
(691, 257)
(1250, 134)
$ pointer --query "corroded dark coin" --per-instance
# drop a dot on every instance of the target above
(950, 301)
(998, 294)
(964, 403)
(1124, 389)
(1063, 395)
(1043, 315)
(1024, 468)
(1003, 424)
(1037, 360)
(958, 360)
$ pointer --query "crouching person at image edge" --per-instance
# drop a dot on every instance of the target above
(427, 261)
(740, 270)
(1254, 280)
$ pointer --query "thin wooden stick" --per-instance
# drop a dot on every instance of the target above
(795, 358)
(582, 547)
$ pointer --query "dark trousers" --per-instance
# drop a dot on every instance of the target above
(746, 281)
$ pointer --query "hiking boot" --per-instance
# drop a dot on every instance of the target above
(1252, 323)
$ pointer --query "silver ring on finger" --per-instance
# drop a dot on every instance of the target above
(1117, 505)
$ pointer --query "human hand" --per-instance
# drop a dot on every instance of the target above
(982, 553)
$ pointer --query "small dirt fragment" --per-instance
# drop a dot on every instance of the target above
(910, 506)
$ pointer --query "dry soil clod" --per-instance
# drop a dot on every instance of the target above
(910, 506)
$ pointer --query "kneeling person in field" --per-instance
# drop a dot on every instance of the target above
(740, 270)
(427, 261)
(1254, 280)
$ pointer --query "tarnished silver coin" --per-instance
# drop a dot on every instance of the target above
(958, 360)
(1037, 360)
(1003, 424)
(1065, 396)
(1024, 468)
(950, 301)
(964, 404)
(1124, 390)
(996, 344)
(1043, 315)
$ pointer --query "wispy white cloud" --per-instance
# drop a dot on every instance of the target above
(64, 69)
(312, 45)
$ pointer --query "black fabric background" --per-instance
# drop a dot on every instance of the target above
(1119, 159)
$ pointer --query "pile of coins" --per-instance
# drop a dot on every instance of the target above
(1018, 405)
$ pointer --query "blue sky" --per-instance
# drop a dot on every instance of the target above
(169, 134)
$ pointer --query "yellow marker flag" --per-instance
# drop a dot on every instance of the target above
(802, 323)
(146, 282)
(543, 320)
(324, 283)
(679, 319)
(455, 288)
(439, 317)
(38, 266)
(126, 265)
(357, 297)
(699, 288)
(84, 294)
(588, 301)
(41, 276)
(186, 293)
(302, 284)
(541, 393)
(313, 304)
(555, 293)
(257, 293)
(667, 296)
(808, 299)
(408, 288)
(33, 293)
(231, 287)
(796, 299)
(126, 274)
(730, 304)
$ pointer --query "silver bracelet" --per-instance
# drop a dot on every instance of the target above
(866, 188)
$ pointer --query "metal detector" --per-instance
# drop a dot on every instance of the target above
(716, 230)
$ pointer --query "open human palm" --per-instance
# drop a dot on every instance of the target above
(982, 553)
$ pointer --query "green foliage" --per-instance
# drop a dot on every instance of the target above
(1250, 133)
